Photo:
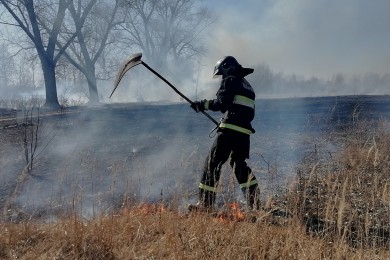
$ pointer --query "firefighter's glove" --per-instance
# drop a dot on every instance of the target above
(200, 106)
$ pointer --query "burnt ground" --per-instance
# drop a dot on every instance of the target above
(94, 159)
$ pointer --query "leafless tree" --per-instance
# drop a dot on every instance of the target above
(263, 79)
(165, 29)
(41, 22)
(93, 21)
(6, 64)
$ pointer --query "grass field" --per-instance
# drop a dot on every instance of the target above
(335, 208)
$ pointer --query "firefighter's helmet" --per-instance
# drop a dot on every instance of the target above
(226, 66)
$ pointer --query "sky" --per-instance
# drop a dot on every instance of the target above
(310, 38)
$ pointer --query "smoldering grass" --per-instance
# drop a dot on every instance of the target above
(339, 210)
(137, 233)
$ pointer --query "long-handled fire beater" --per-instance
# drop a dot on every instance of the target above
(135, 60)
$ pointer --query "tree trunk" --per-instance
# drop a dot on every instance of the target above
(49, 75)
(93, 93)
(92, 85)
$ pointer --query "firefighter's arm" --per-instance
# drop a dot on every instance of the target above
(225, 96)
(199, 106)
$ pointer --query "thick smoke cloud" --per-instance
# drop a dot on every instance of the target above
(310, 38)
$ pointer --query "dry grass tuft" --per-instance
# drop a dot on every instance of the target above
(348, 197)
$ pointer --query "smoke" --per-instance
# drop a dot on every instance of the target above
(93, 160)
(96, 159)
(309, 38)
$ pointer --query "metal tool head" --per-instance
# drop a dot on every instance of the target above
(129, 63)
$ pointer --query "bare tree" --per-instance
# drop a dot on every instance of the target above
(6, 64)
(165, 29)
(93, 22)
(41, 22)
(263, 79)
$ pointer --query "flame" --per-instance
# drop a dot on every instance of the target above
(233, 213)
(236, 212)
(150, 209)
(222, 218)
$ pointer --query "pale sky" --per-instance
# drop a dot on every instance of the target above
(307, 37)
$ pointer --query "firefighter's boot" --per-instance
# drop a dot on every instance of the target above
(206, 201)
(252, 197)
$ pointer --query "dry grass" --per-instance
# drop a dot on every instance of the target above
(340, 210)
(134, 234)
(347, 198)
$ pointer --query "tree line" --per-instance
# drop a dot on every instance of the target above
(268, 83)
(73, 38)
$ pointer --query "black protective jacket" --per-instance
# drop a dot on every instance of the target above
(236, 99)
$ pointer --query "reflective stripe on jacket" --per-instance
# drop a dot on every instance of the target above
(244, 101)
(236, 99)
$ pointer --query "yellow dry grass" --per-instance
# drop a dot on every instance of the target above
(169, 235)
(339, 210)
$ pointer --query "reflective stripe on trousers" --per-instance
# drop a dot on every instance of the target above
(248, 184)
(235, 128)
(206, 187)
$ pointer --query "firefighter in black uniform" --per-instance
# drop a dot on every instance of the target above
(236, 100)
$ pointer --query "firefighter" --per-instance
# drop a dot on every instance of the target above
(236, 100)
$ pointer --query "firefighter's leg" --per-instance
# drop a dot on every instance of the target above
(218, 155)
(248, 184)
(244, 175)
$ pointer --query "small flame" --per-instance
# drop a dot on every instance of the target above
(234, 213)
(222, 218)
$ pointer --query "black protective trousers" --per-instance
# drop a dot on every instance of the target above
(236, 145)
